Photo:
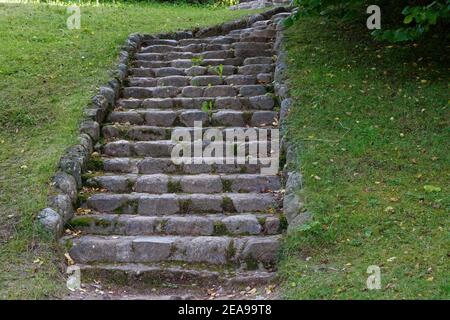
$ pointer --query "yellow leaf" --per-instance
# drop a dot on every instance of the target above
(69, 259)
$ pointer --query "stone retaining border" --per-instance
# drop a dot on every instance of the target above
(293, 203)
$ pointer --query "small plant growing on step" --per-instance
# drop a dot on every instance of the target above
(208, 106)
(219, 71)
(196, 61)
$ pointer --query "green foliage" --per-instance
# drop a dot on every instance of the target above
(219, 70)
(174, 187)
(420, 19)
(208, 106)
(196, 61)
(406, 23)
(220, 229)
(226, 3)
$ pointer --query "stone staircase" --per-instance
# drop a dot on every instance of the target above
(258, 4)
(143, 219)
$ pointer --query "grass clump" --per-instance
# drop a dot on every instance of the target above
(220, 229)
(227, 205)
(226, 185)
(174, 186)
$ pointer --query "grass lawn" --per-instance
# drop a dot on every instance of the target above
(372, 124)
(47, 75)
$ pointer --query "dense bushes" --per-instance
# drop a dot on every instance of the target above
(401, 20)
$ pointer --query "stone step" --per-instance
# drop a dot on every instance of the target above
(199, 86)
(173, 55)
(224, 39)
(169, 42)
(203, 49)
(202, 183)
(165, 165)
(193, 48)
(204, 66)
(172, 204)
(179, 67)
(183, 117)
(190, 225)
(145, 276)
(201, 67)
(164, 148)
(186, 71)
(250, 252)
(195, 91)
(260, 23)
(247, 34)
(153, 133)
(241, 50)
(260, 102)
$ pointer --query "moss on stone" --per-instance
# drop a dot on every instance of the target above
(247, 116)
(174, 186)
(163, 224)
(277, 104)
(68, 244)
(227, 205)
(185, 205)
(251, 263)
(81, 222)
(82, 198)
(130, 184)
(102, 223)
(230, 252)
(118, 210)
(283, 223)
(262, 221)
(282, 159)
(226, 185)
(220, 229)
(173, 249)
(95, 163)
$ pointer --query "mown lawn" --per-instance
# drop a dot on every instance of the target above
(372, 124)
(47, 75)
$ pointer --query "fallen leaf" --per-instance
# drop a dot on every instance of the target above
(69, 259)
(389, 209)
(252, 291)
(83, 211)
(391, 259)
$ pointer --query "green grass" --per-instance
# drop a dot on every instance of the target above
(372, 124)
(47, 75)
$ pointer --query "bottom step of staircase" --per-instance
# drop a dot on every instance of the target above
(142, 276)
